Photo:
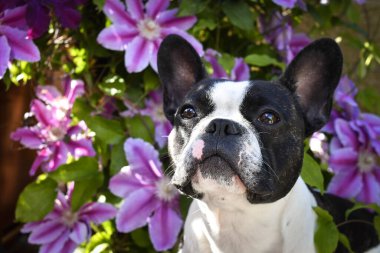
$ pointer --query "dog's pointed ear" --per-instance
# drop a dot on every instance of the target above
(179, 68)
(313, 76)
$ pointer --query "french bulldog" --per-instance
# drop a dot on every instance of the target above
(237, 149)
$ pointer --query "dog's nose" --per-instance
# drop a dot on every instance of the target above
(223, 127)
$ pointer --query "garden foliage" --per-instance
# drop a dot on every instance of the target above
(97, 126)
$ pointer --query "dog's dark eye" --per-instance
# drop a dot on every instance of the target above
(269, 118)
(188, 112)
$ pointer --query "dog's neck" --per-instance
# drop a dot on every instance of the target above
(235, 225)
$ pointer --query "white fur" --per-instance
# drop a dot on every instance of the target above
(284, 226)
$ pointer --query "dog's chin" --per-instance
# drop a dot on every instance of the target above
(215, 175)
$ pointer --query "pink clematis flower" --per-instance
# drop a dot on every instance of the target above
(139, 30)
(355, 166)
(354, 149)
(240, 71)
(53, 136)
(14, 42)
(62, 230)
(278, 31)
(149, 198)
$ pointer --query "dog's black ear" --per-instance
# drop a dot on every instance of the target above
(313, 76)
(179, 68)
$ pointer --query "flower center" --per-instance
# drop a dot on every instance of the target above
(69, 218)
(56, 133)
(366, 161)
(165, 190)
(149, 29)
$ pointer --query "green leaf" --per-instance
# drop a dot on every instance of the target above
(86, 175)
(36, 200)
(358, 206)
(346, 243)
(81, 170)
(191, 7)
(376, 223)
(141, 127)
(98, 240)
(326, 236)
(113, 86)
(140, 236)
(227, 61)
(311, 173)
(151, 81)
(99, 3)
(118, 159)
(238, 13)
(263, 60)
(369, 98)
(84, 190)
(108, 131)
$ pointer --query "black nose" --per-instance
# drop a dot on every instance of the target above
(223, 127)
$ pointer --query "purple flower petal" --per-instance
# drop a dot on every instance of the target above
(15, 17)
(240, 71)
(57, 245)
(97, 212)
(43, 115)
(30, 226)
(218, 71)
(342, 159)
(115, 11)
(285, 3)
(169, 19)
(346, 184)
(5, 54)
(68, 247)
(80, 232)
(138, 54)
(41, 157)
(153, 57)
(82, 147)
(67, 15)
(22, 48)
(73, 89)
(296, 44)
(345, 133)
(143, 158)
(135, 9)
(154, 7)
(164, 227)
(116, 37)
(27, 137)
(126, 182)
(161, 133)
(135, 210)
(370, 192)
(47, 232)
(47, 93)
(335, 144)
(38, 19)
(194, 42)
(59, 156)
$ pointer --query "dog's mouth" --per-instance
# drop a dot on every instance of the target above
(213, 174)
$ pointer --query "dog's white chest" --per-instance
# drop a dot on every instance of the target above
(284, 226)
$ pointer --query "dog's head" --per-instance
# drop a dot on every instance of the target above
(244, 137)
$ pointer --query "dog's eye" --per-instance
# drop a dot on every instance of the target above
(269, 118)
(188, 112)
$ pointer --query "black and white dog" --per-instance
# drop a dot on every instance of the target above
(237, 148)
